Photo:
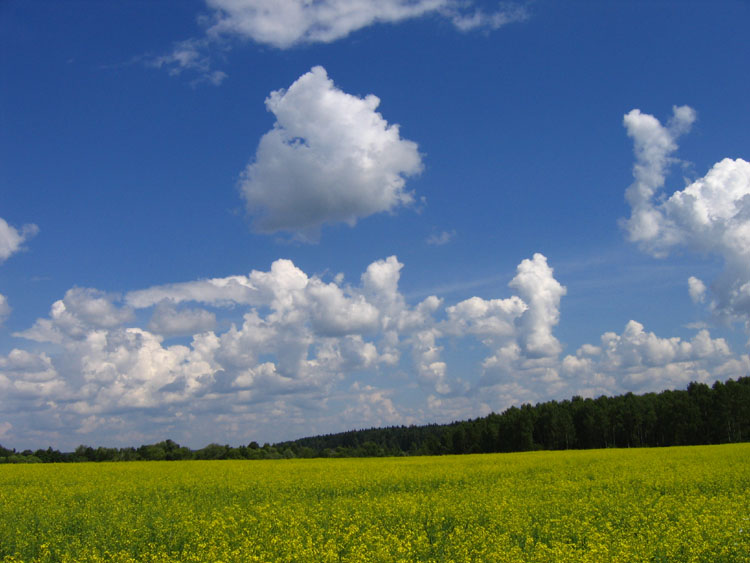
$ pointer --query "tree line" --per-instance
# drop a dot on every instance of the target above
(698, 415)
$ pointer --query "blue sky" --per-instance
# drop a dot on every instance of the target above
(250, 220)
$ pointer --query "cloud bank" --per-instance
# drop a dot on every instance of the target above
(329, 158)
(709, 216)
(280, 353)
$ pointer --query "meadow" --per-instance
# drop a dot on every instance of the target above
(660, 504)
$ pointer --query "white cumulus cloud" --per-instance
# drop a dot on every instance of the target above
(709, 216)
(329, 158)
(640, 361)
(81, 310)
(653, 146)
(539, 288)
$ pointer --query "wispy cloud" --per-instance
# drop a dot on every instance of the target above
(441, 238)
(468, 19)
(12, 239)
(190, 55)
(284, 24)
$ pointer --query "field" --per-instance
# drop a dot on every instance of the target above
(671, 504)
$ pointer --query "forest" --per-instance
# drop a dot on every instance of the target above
(699, 415)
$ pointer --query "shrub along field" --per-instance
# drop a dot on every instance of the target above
(665, 504)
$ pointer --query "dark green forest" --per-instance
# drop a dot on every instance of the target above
(700, 414)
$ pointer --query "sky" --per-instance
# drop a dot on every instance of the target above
(257, 220)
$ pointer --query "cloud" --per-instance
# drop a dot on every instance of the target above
(536, 283)
(28, 366)
(372, 408)
(305, 349)
(653, 145)
(334, 313)
(697, 289)
(300, 338)
(81, 310)
(439, 239)
(329, 158)
(168, 321)
(11, 240)
(288, 23)
(4, 308)
(517, 331)
(190, 55)
(479, 19)
(216, 291)
(709, 216)
(641, 361)
(28, 378)
(284, 23)
(491, 320)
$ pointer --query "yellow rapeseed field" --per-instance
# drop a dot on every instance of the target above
(672, 504)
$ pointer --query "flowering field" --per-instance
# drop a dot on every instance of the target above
(672, 504)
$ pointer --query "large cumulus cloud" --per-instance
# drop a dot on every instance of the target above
(329, 158)
(301, 340)
(709, 216)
